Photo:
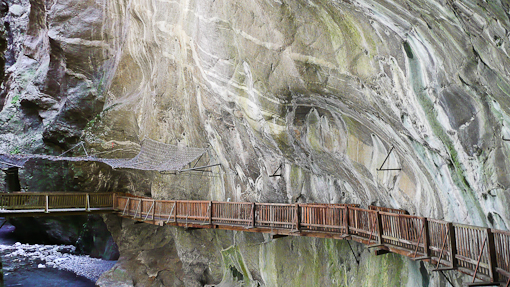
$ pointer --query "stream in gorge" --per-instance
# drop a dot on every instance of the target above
(38, 265)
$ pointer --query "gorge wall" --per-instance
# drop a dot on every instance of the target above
(323, 89)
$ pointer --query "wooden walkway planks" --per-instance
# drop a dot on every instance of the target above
(455, 246)
(483, 253)
(20, 204)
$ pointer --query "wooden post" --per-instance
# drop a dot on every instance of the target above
(253, 214)
(491, 248)
(296, 214)
(210, 212)
(87, 202)
(140, 207)
(175, 214)
(47, 204)
(453, 244)
(346, 219)
(153, 210)
(379, 227)
(114, 201)
(426, 237)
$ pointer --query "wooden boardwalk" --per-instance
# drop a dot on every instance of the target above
(480, 252)
(21, 204)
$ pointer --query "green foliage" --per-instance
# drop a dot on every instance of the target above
(15, 150)
(100, 116)
(15, 100)
(236, 267)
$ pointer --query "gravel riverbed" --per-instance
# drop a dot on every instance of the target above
(59, 257)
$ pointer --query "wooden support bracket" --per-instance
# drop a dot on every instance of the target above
(420, 258)
(444, 268)
(378, 252)
(276, 236)
(379, 249)
(470, 284)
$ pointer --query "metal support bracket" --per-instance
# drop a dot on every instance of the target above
(173, 206)
(138, 208)
(195, 168)
(76, 145)
(442, 250)
(278, 169)
(125, 207)
(10, 164)
(386, 159)
(150, 210)
(479, 258)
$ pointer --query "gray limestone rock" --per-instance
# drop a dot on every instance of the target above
(322, 88)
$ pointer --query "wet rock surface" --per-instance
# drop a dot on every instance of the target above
(323, 89)
(88, 234)
(59, 257)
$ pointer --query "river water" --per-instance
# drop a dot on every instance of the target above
(31, 265)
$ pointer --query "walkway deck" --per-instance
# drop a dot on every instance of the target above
(483, 253)
(26, 204)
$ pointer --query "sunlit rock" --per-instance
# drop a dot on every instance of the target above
(324, 89)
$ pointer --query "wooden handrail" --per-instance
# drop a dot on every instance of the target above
(413, 233)
(400, 233)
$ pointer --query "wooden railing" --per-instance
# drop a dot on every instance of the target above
(387, 209)
(325, 217)
(54, 201)
(481, 252)
(233, 213)
(502, 247)
(404, 231)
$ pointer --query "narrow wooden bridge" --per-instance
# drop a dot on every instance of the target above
(480, 252)
(25, 204)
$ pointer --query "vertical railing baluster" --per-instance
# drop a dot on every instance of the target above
(46, 204)
(453, 247)
(296, 214)
(253, 214)
(379, 227)
(346, 219)
(210, 212)
(426, 237)
(493, 263)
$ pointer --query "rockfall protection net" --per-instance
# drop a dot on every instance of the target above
(153, 155)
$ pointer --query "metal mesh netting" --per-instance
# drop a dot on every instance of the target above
(153, 155)
(7, 161)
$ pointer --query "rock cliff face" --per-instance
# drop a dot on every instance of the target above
(326, 89)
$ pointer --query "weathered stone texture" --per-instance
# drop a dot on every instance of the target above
(323, 88)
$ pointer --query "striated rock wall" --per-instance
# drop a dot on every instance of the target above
(323, 88)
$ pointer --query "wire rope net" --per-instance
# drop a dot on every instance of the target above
(153, 155)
